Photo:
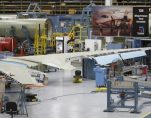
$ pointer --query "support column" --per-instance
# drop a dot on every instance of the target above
(108, 2)
(108, 39)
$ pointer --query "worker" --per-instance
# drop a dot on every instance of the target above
(70, 47)
(71, 40)
(41, 78)
(45, 80)
(59, 47)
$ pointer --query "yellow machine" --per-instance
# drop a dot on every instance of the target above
(76, 33)
(77, 36)
(101, 89)
(77, 77)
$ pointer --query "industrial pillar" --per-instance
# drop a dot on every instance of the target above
(108, 2)
(108, 38)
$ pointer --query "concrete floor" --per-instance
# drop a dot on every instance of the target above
(64, 99)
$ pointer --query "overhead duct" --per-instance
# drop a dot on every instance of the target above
(7, 27)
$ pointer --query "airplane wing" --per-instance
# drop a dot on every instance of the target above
(24, 62)
(18, 72)
(61, 61)
(107, 59)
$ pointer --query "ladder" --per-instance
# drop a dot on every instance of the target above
(33, 7)
(40, 42)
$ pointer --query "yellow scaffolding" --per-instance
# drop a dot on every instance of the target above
(40, 42)
(53, 38)
(44, 41)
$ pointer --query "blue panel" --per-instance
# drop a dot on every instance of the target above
(136, 43)
(115, 46)
(100, 76)
(88, 65)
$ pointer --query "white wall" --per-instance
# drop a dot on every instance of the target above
(93, 44)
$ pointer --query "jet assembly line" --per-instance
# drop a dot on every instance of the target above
(95, 45)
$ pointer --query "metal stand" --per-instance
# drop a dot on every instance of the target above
(21, 102)
(125, 94)
(135, 98)
(109, 103)
(22, 109)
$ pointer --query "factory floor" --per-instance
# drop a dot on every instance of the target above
(64, 99)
